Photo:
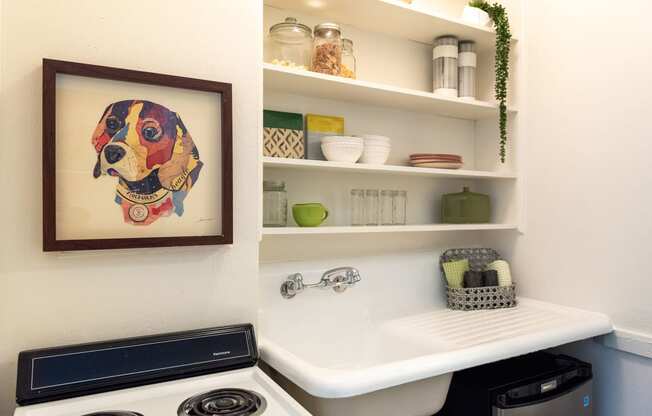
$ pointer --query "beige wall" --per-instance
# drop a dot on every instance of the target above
(49, 299)
(588, 178)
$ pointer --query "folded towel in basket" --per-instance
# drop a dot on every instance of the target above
(504, 273)
(454, 272)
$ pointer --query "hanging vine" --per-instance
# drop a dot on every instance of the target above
(498, 14)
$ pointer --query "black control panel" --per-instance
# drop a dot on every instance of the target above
(55, 373)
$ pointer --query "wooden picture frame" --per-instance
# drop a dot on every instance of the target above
(223, 220)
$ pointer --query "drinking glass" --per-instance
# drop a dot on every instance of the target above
(357, 207)
(399, 214)
(386, 207)
(371, 206)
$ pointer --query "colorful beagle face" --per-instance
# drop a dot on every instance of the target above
(149, 149)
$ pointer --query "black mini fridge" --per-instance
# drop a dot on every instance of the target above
(538, 384)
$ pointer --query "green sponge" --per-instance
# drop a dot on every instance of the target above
(454, 272)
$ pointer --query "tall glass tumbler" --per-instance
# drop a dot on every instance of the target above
(399, 216)
(357, 207)
(371, 206)
(386, 207)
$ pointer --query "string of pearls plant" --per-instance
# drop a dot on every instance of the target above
(498, 15)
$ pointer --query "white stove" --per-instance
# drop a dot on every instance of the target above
(47, 376)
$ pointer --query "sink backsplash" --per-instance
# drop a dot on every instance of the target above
(391, 286)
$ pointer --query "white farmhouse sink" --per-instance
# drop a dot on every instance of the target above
(379, 349)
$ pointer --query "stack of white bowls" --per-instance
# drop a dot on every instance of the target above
(342, 148)
(376, 149)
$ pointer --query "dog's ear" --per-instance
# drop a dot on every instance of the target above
(174, 173)
(97, 170)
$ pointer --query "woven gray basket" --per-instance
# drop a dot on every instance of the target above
(474, 298)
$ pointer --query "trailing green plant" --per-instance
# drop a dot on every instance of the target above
(498, 15)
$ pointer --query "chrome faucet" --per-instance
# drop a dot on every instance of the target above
(339, 279)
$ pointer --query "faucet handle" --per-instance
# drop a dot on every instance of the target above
(341, 278)
(292, 285)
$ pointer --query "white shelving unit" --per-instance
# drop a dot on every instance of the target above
(391, 100)
(385, 229)
(326, 166)
(391, 17)
(278, 78)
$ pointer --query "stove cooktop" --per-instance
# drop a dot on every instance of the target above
(167, 399)
(209, 372)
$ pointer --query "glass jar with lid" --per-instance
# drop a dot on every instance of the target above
(467, 62)
(444, 66)
(347, 68)
(327, 49)
(291, 44)
(275, 204)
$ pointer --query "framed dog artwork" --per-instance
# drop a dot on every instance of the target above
(134, 159)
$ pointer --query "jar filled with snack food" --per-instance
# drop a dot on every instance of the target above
(347, 68)
(291, 44)
(327, 49)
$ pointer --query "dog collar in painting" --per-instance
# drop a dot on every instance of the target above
(140, 198)
(144, 209)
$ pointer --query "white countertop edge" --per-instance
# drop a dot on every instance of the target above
(628, 340)
(328, 383)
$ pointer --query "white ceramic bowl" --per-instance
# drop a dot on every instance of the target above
(375, 155)
(342, 152)
(342, 139)
(375, 138)
(377, 146)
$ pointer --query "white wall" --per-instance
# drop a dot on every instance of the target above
(50, 299)
(588, 175)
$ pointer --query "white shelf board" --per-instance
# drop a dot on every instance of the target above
(313, 84)
(391, 17)
(320, 165)
(384, 229)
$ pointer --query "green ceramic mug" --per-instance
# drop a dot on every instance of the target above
(309, 215)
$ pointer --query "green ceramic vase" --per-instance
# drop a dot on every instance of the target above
(465, 207)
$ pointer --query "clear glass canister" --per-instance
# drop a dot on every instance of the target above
(348, 69)
(275, 204)
(444, 66)
(467, 63)
(327, 49)
(291, 44)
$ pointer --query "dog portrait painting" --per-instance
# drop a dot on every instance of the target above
(148, 149)
(135, 159)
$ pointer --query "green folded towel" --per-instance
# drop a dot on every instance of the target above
(454, 272)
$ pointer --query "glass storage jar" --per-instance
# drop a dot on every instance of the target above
(467, 62)
(291, 44)
(327, 49)
(347, 68)
(444, 66)
(275, 204)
